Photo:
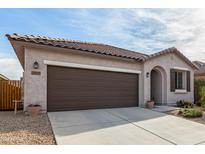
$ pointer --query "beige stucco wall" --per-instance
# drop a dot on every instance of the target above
(36, 85)
(166, 62)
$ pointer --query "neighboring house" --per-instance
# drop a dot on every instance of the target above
(64, 75)
(2, 77)
(200, 73)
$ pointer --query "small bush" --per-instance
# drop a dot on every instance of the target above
(199, 90)
(191, 113)
(184, 104)
(203, 103)
(180, 103)
(198, 103)
(188, 104)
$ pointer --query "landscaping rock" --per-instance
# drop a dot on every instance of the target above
(25, 129)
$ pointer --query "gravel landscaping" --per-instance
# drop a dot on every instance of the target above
(25, 129)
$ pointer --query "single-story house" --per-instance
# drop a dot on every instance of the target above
(3, 77)
(65, 75)
(200, 73)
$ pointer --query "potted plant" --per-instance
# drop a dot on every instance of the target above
(150, 104)
(34, 109)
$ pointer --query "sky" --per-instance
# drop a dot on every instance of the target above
(141, 30)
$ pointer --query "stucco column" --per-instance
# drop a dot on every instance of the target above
(146, 84)
(141, 89)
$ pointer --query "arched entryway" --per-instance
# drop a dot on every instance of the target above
(158, 85)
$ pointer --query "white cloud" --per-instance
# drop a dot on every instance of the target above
(10, 67)
(185, 26)
(189, 32)
(148, 30)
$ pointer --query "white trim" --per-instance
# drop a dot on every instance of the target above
(181, 68)
(180, 91)
(92, 67)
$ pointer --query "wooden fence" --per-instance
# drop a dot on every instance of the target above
(9, 90)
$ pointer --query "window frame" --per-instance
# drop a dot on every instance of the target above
(183, 79)
(186, 80)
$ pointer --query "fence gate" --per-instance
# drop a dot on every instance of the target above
(9, 90)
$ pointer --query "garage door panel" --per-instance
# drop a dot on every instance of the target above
(72, 89)
(91, 94)
(60, 100)
(113, 89)
(102, 90)
(95, 78)
(92, 82)
(85, 106)
(95, 89)
(83, 72)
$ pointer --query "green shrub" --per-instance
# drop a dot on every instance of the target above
(198, 103)
(199, 91)
(180, 103)
(191, 113)
(202, 92)
(184, 104)
(203, 103)
(188, 104)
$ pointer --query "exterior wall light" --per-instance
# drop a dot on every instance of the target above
(35, 65)
(147, 74)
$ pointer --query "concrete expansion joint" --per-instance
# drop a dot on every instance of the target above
(88, 124)
(199, 143)
(142, 128)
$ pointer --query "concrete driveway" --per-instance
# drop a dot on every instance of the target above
(124, 126)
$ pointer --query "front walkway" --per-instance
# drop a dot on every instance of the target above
(124, 126)
(164, 108)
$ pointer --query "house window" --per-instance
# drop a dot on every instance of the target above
(179, 80)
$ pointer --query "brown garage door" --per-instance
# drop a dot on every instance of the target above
(76, 89)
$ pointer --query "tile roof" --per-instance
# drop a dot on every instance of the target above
(201, 66)
(95, 47)
(79, 45)
(199, 63)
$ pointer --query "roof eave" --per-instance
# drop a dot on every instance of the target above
(171, 50)
(27, 44)
(19, 51)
